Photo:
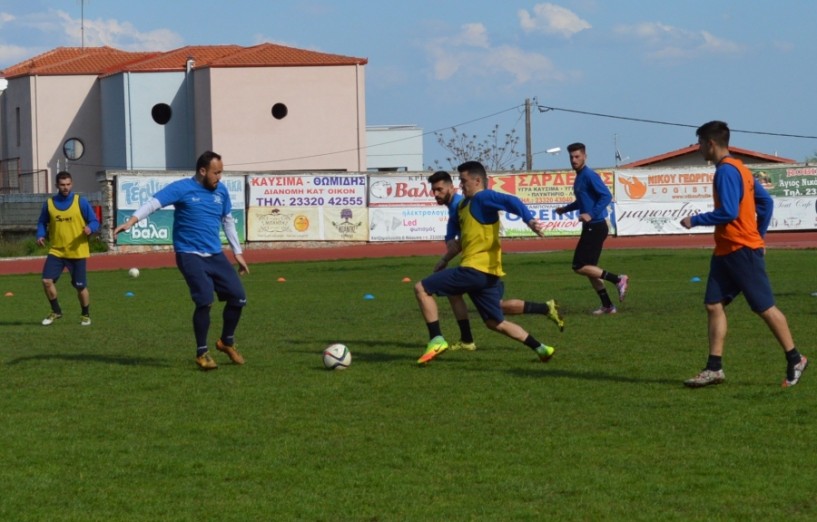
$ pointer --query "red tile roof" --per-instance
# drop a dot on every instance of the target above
(64, 61)
(765, 158)
(105, 61)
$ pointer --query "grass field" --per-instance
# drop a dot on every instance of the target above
(115, 422)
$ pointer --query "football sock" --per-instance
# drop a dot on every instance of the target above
(201, 325)
(55, 306)
(86, 310)
(201, 350)
(714, 363)
(531, 343)
(605, 299)
(465, 331)
(434, 329)
(534, 308)
(609, 276)
(792, 360)
(231, 315)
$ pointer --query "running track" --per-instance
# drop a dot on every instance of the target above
(285, 252)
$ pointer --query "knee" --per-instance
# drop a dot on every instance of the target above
(419, 289)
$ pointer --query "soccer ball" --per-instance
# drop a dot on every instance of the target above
(133, 272)
(337, 357)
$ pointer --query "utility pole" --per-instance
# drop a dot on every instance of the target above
(528, 153)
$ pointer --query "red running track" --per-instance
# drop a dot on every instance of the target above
(288, 252)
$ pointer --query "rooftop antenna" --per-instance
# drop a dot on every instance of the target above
(82, 21)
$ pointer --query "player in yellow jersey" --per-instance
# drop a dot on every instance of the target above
(67, 219)
(480, 271)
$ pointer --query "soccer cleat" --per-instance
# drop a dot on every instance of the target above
(460, 345)
(799, 368)
(206, 362)
(85, 320)
(554, 315)
(621, 286)
(605, 310)
(231, 351)
(545, 352)
(435, 347)
(53, 316)
(705, 378)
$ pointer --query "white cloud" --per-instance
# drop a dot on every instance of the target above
(469, 54)
(120, 35)
(666, 42)
(5, 18)
(552, 19)
(11, 54)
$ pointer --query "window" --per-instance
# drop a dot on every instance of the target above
(17, 124)
(161, 113)
(73, 148)
(279, 111)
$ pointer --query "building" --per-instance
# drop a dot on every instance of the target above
(264, 108)
(394, 148)
(690, 156)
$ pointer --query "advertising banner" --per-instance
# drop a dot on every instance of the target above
(387, 190)
(422, 223)
(307, 207)
(794, 190)
(542, 187)
(133, 191)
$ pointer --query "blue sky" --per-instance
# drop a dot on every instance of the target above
(443, 63)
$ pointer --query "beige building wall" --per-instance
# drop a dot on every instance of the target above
(324, 127)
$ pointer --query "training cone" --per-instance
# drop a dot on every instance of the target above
(9, 294)
(129, 294)
(282, 280)
(368, 297)
(407, 280)
(695, 279)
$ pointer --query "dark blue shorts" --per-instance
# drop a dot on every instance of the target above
(205, 275)
(588, 249)
(485, 290)
(53, 267)
(744, 271)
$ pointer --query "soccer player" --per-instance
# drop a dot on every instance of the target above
(480, 270)
(743, 211)
(592, 198)
(67, 219)
(442, 186)
(202, 206)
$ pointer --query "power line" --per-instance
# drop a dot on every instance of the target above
(545, 108)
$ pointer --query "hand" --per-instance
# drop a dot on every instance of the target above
(687, 222)
(585, 217)
(41, 241)
(87, 231)
(560, 210)
(243, 268)
(537, 226)
(441, 264)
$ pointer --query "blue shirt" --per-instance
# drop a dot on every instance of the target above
(453, 205)
(63, 203)
(729, 188)
(486, 205)
(592, 195)
(198, 214)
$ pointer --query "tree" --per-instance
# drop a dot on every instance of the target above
(496, 152)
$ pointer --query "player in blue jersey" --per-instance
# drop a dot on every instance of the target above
(480, 270)
(67, 220)
(445, 193)
(202, 207)
(592, 198)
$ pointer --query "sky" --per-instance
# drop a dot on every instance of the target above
(637, 76)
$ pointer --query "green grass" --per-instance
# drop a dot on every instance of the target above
(114, 421)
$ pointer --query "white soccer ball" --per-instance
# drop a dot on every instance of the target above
(337, 357)
(133, 272)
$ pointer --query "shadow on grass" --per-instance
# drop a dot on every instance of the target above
(124, 361)
(588, 376)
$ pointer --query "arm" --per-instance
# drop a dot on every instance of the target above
(452, 248)
(729, 189)
(496, 201)
(42, 225)
(605, 197)
(88, 214)
(228, 224)
(141, 213)
(764, 206)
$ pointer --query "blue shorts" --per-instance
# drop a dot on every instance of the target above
(205, 275)
(588, 249)
(53, 267)
(485, 290)
(744, 271)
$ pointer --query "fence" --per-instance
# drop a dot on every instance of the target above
(15, 181)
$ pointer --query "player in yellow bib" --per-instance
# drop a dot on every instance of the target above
(67, 219)
(480, 271)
